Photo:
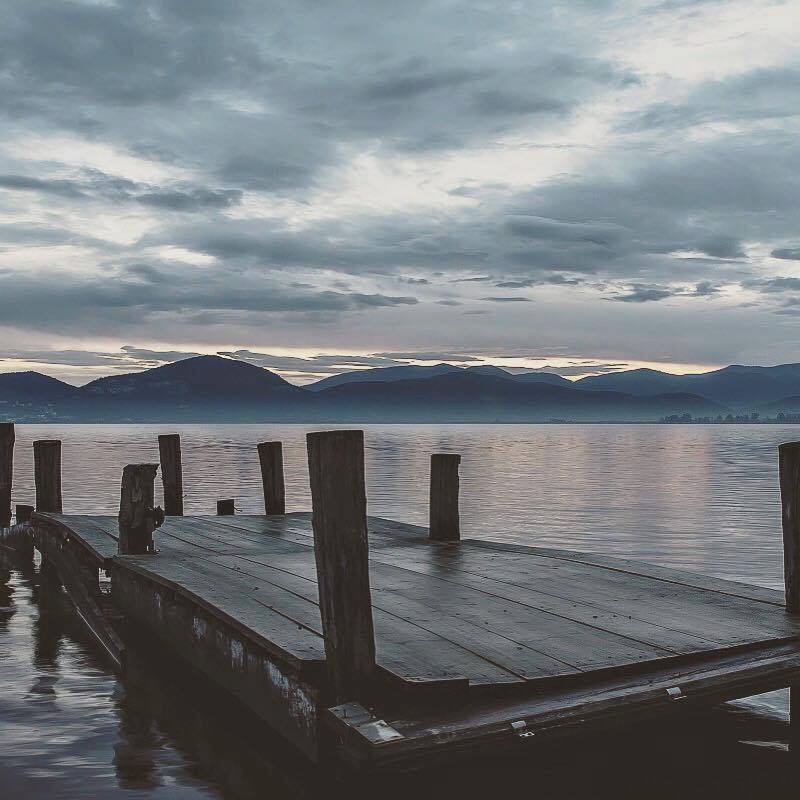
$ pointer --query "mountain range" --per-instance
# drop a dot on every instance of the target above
(217, 389)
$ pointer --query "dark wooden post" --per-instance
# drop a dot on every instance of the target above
(47, 475)
(226, 508)
(137, 516)
(6, 471)
(789, 469)
(24, 513)
(270, 456)
(341, 549)
(444, 520)
(169, 450)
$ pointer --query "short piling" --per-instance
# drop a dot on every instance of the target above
(789, 468)
(169, 451)
(226, 508)
(47, 475)
(341, 549)
(444, 519)
(138, 517)
(270, 457)
(24, 513)
(6, 471)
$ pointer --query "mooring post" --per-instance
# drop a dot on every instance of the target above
(226, 508)
(789, 470)
(270, 457)
(137, 516)
(24, 513)
(341, 550)
(47, 475)
(444, 521)
(6, 471)
(169, 451)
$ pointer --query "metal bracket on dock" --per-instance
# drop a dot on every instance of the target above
(675, 693)
(520, 727)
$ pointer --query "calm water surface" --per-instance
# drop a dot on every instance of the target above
(701, 498)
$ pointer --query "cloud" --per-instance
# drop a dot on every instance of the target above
(507, 299)
(644, 294)
(787, 253)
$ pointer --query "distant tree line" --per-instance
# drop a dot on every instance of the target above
(733, 419)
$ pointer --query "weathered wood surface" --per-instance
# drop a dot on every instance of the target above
(226, 508)
(270, 457)
(341, 549)
(789, 471)
(472, 614)
(137, 516)
(169, 453)
(444, 519)
(47, 475)
(6, 471)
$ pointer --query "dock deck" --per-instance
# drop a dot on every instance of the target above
(476, 642)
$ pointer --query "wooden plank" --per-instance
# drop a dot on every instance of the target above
(96, 541)
(6, 471)
(667, 574)
(700, 612)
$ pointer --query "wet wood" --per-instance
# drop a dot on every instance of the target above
(270, 458)
(24, 513)
(226, 508)
(444, 519)
(6, 471)
(137, 516)
(341, 549)
(169, 451)
(789, 472)
(47, 475)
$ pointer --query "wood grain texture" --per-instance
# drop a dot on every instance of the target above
(6, 471)
(169, 452)
(341, 549)
(789, 471)
(444, 520)
(270, 458)
(47, 475)
(136, 509)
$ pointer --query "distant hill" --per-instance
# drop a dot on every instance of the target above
(382, 374)
(466, 396)
(736, 386)
(34, 387)
(216, 389)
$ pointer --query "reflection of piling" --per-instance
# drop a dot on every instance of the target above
(6, 471)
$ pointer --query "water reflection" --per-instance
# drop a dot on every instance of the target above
(702, 498)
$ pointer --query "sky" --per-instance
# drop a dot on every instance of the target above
(314, 187)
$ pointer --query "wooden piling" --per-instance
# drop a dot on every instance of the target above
(341, 550)
(169, 450)
(270, 457)
(137, 516)
(794, 718)
(47, 475)
(226, 508)
(444, 519)
(24, 513)
(789, 470)
(6, 471)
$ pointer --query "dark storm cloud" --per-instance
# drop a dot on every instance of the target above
(644, 294)
(23, 183)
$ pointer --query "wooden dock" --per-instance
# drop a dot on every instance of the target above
(460, 647)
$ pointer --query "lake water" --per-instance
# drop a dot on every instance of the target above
(701, 498)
